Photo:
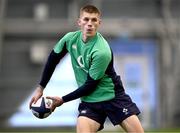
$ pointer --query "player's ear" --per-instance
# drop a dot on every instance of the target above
(100, 21)
(79, 22)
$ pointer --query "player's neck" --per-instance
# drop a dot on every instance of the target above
(86, 38)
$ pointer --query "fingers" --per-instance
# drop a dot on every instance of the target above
(53, 106)
(37, 94)
(56, 102)
(49, 97)
(31, 102)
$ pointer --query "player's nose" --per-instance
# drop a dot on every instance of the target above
(89, 23)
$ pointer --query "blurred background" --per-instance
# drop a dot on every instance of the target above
(145, 38)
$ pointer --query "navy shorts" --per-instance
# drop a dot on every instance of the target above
(117, 110)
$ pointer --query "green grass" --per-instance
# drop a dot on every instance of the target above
(157, 131)
(72, 130)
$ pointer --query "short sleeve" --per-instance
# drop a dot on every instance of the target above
(99, 64)
(61, 43)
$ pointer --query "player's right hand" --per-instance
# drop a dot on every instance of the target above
(56, 102)
(37, 94)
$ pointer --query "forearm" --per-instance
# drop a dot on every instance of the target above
(87, 88)
(50, 66)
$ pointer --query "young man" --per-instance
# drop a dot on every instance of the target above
(100, 89)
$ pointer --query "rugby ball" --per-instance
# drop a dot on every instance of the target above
(41, 109)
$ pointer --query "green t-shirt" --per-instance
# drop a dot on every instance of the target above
(93, 58)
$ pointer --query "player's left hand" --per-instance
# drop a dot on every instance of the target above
(57, 101)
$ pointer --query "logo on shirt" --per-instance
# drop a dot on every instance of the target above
(83, 111)
(81, 63)
(125, 111)
(74, 46)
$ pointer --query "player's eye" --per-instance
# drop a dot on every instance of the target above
(94, 20)
(86, 19)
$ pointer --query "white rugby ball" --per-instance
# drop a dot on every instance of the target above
(41, 109)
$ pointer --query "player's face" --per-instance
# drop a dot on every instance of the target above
(89, 23)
